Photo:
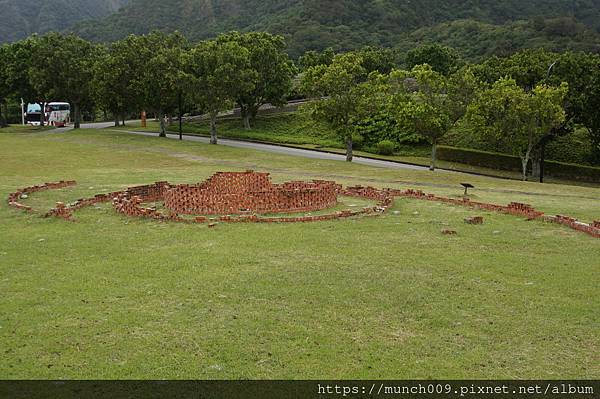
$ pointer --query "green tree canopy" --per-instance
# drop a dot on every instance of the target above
(62, 68)
(429, 103)
(582, 73)
(442, 59)
(273, 72)
(220, 70)
(339, 95)
(162, 72)
(5, 89)
(518, 119)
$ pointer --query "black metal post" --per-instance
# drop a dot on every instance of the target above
(180, 118)
(542, 160)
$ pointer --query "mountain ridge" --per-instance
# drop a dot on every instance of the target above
(21, 18)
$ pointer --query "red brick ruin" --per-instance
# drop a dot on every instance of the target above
(247, 196)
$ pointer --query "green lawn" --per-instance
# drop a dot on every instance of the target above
(372, 297)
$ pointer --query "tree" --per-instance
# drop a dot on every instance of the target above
(62, 67)
(220, 69)
(313, 58)
(5, 89)
(516, 118)
(377, 59)
(442, 59)
(582, 73)
(116, 78)
(338, 92)
(528, 68)
(273, 72)
(20, 60)
(162, 76)
(430, 104)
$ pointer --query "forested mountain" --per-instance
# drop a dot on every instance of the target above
(475, 27)
(21, 18)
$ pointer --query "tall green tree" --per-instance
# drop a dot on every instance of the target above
(582, 73)
(5, 89)
(219, 70)
(442, 59)
(117, 75)
(429, 103)
(378, 59)
(516, 118)
(338, 95)
(528, 68)
(62, 67)
(161, 75)
(313, 58)
(20, 61)
(273, 72)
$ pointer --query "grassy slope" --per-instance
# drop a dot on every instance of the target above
(296, 129)
(388, 297)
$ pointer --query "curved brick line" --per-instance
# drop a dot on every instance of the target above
(13, 198)
(129, 202)
(514, 208)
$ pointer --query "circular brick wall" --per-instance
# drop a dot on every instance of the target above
(235, 193)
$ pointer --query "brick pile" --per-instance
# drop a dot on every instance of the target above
(241, 197)
(61, 211)
(477, 220)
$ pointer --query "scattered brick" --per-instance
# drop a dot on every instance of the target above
(477, 220)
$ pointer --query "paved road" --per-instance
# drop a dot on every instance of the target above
(298, 152)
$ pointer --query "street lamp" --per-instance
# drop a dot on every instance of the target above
(548, 137)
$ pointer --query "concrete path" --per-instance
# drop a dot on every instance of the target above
(298, 152)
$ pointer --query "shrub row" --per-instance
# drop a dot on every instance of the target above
(511, 163)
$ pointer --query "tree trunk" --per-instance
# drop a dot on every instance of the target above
(123, 118)
(170, 119)
(117, 122)
(245, 112)
(524, 164)
(433, 154)
(161, 118)
(595, 150)
(42, 114)
(3, 122)
(536, 163)
(349, 145)
(213, 127)
(247, 122)
(77, 111)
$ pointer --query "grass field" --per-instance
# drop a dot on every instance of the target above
(386, 297)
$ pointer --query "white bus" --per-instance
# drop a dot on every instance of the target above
(56, 114)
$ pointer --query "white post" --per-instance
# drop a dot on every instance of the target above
(22, 112)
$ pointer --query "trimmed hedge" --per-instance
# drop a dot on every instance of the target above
(385, 147)
(511, 163)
